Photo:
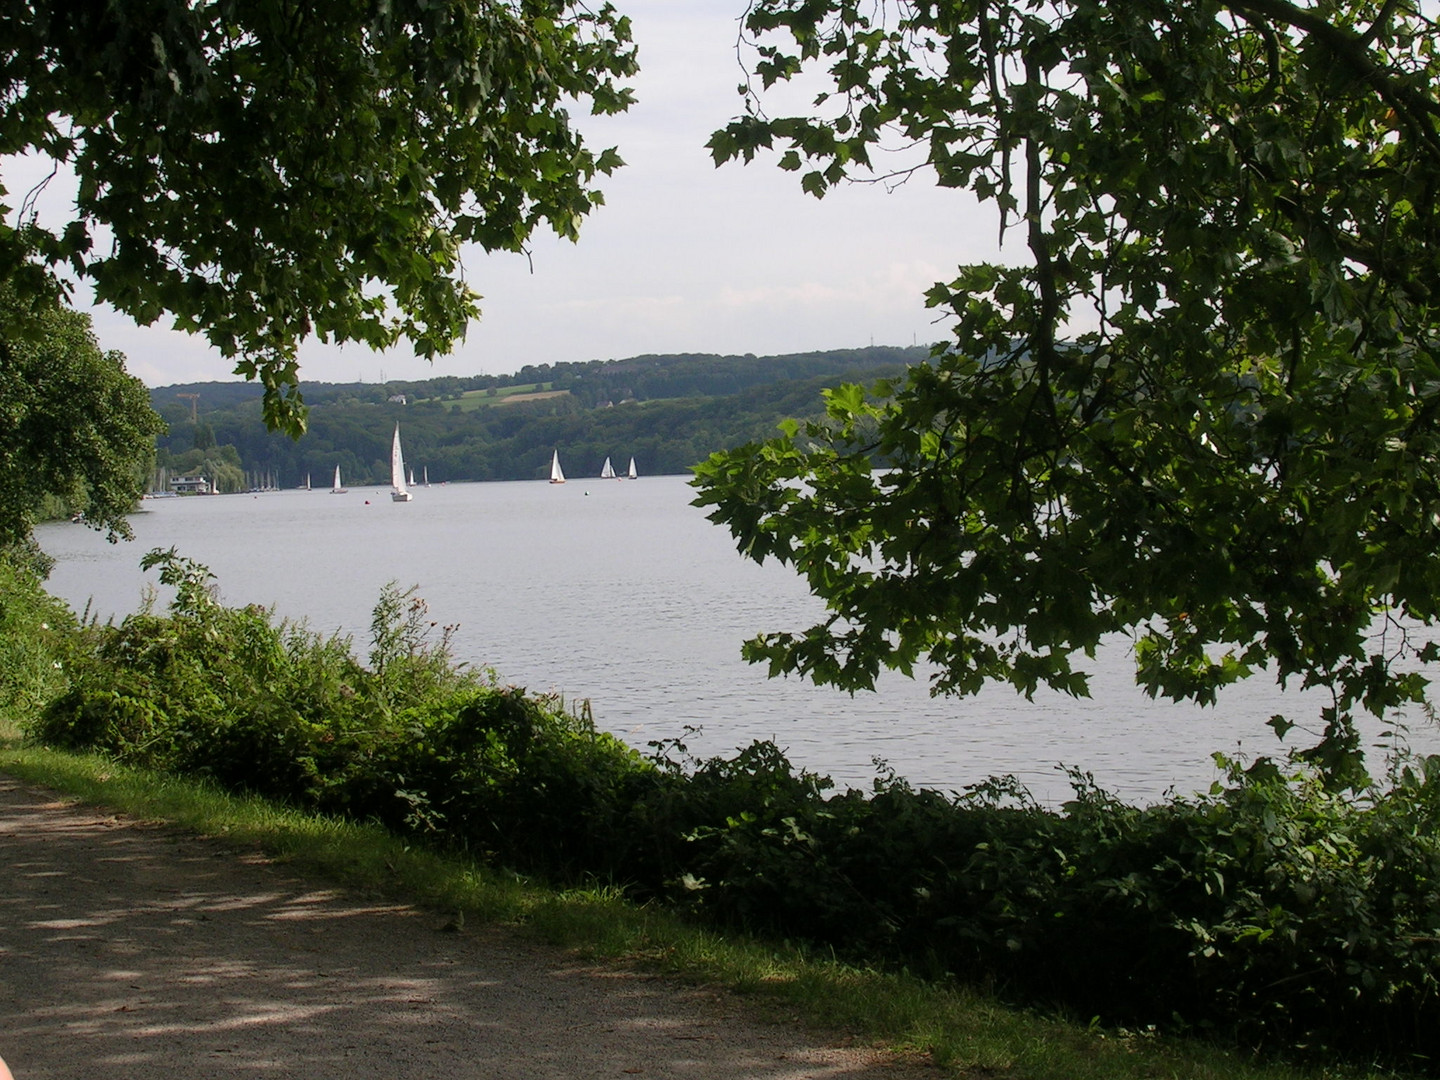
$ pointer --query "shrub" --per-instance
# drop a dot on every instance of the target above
(1274, 908)
(36, 632)
(414, 741)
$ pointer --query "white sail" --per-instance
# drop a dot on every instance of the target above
(607, 471)
(338, 489)
(399, 492)
(632, 474)
(556, 476)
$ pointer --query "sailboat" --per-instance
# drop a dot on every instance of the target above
(556, 476)
(337, 489)
(425, 472)
(632, 474)
(607, 471)
(399, 492)
(411, 474)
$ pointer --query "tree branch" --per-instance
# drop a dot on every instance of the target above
(1352, 51)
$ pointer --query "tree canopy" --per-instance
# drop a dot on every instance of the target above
(73, 425)
(1199, 409)
(262, 171)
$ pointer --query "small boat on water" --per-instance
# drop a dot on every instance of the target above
(632, 474)
(607, 471)
(398, 491)
(338, 489)
(556, 476)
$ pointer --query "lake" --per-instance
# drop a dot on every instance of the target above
(622, 593)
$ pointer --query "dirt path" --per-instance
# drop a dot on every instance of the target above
(131, 951)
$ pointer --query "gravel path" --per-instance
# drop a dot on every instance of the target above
(133, 951)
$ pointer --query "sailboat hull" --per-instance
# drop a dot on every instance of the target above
(399, 492)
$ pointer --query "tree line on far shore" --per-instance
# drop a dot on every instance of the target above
(667, 412)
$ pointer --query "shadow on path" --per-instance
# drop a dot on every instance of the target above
(129, 951)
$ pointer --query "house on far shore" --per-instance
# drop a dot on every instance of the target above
(396, 399)
(190, 485)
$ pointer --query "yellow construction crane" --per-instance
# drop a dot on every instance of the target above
(194, 415)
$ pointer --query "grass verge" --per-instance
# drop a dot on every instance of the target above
(966, 1033)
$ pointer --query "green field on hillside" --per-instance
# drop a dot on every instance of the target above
(471, 400)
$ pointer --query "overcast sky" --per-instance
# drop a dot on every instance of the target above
(683, 257)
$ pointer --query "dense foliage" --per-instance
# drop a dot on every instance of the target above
(411, 739)
(37, 633)
(263, 171)
(668, 412)
(1202, 409)
(76, 431)
(1272, 911)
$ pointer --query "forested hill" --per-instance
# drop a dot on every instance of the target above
(668, 412)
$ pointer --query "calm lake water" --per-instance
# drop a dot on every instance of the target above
(622, 593)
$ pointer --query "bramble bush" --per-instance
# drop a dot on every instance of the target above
(414, 741)
(1273, 910)
(36, 632)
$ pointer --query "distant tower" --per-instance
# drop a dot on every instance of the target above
(194, 413)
